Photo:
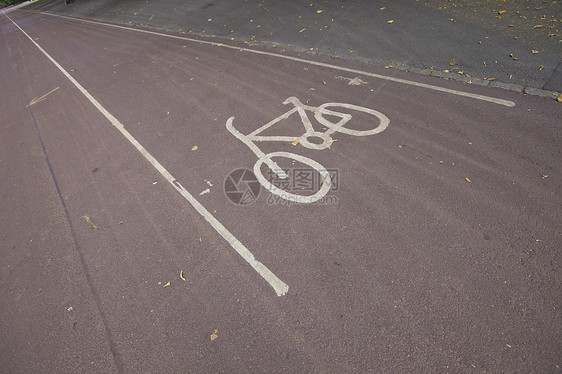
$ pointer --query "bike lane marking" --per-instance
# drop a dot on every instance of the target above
(277, 284)
(250, 139)
(490, 99)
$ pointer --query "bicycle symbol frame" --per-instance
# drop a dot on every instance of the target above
(325, 137)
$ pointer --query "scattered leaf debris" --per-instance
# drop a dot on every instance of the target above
(214, 335)
(88, 220)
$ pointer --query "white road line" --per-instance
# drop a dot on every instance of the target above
(279, 286)
(490, 99)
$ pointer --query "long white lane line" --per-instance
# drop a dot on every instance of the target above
(279, 286)
(490, 99)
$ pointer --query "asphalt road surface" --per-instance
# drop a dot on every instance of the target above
(436, 247)
(472, 39)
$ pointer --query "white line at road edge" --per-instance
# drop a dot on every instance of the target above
(490, 99)
(279, 286)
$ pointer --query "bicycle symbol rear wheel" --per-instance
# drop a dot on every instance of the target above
(324, 178)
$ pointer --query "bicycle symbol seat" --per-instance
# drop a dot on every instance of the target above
(325, 137)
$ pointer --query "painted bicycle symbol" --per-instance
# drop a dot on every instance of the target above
(311, 139)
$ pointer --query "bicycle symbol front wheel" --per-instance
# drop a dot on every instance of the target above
(324, 177)
(382, 120)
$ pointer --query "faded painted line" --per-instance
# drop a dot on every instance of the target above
(279, 286)
(490, 99)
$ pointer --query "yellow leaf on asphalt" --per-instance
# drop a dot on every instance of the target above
(390, 21)
(295, 143)
(468, 180)
(194, 148)
(215, 334)
(167, 284)
(502, 12)
(319, 11)
(534, 51)
(559, 99)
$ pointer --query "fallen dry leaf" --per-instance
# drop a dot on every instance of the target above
(194, 148)
(295, 143)
(390, 21)
(468, 180)
(534, 51)
(559, 99)
(215, 334)
(167, 284)
(181, 275)
(88, 220)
